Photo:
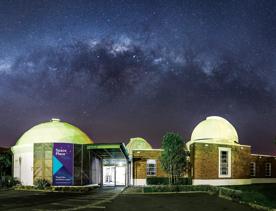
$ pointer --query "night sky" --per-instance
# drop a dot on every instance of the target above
(120, 69)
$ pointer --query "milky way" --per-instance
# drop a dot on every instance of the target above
(122, 69)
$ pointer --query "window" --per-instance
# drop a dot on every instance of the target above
(252, 169)
(151, 167)
(224, 162)
(268, 169)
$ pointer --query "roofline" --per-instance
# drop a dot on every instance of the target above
(120, 146)
(147, 150)
(202, 141)
(103, 146)
(109, 143)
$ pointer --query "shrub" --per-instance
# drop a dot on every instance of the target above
(72, 189)
(184, 181)
(165, 181)
(158, 181)
(236, 195)
(133, 190)
(9, 181)
(181, 188)
(41, 184)
(204, 188)
(21, 187)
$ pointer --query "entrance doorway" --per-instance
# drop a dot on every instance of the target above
(121, 175)
(109, 175)
(114, 172)
(109, 164)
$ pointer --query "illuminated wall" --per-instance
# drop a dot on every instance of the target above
(42, 167)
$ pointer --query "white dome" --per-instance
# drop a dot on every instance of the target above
(54, 131)
(214, 129)
(137, 143)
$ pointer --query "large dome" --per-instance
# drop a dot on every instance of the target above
(137, 143)
(54, 131)
(214, 129)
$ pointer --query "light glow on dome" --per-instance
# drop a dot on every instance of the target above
(137, 143)
(54, 131)
(214, 129)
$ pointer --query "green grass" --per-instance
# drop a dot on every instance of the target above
(262, 194)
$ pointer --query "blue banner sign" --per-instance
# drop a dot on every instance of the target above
(63, 158)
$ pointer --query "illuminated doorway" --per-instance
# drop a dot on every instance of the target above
(121, 175)
(109, 175)
(112, 168)
(114, 172)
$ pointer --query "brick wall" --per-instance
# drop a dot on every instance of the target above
(260, 161)
(140, 158)
(205, 161)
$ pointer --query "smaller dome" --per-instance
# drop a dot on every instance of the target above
(137, 143)
(214, 129)
(54, 131)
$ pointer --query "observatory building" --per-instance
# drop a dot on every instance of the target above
(64, 155)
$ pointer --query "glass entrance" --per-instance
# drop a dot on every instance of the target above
(114, 172)
(109, 175)
(109, 164)
(120, 175)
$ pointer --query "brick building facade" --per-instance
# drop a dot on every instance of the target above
(262, 168)
(141, 166)
(216, 158)
(204, 158)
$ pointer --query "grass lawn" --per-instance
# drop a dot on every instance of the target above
(263, 194)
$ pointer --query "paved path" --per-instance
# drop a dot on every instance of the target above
(104, 199)
(42, 201)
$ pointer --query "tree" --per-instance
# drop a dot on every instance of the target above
(173, 156)
(5, 164)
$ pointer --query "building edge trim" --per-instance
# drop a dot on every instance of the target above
(139, 182)
(263, 180)
(219, 182)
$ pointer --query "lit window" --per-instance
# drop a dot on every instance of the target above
(252, 169)
(268, 169)
(151, 167)
(224, 162)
